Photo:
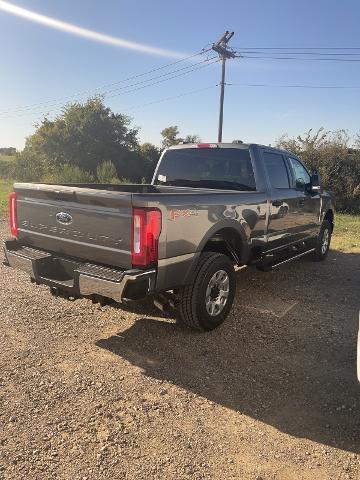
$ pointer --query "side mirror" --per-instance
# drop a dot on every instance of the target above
(315, 183)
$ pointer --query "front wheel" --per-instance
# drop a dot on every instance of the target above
(205, 303)
(323, 242)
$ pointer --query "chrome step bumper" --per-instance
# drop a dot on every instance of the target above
(76, 278)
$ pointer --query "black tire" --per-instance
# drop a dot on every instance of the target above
(192, 306)
(321, 251)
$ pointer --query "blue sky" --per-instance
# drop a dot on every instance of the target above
(41, 64)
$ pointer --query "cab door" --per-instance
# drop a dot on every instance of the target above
(283, 225)
(309, 203)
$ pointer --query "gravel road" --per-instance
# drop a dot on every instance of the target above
(90, 392)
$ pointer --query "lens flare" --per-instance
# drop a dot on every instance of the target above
(86, 33)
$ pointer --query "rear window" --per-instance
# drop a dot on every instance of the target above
(223, 168)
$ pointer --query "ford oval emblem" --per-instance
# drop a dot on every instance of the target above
(64, 218)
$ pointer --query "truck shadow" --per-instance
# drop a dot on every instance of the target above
(295, 371)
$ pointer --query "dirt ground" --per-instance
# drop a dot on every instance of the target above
(90, 392)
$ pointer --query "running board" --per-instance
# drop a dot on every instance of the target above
(271, 266)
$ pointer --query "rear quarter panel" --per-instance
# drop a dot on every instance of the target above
(190, 220)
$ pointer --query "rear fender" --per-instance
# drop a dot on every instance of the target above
(238, 230)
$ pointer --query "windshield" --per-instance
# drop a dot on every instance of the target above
(223, 168)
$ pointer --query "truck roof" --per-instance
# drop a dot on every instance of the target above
(227, 145)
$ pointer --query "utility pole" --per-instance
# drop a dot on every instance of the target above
(225, 53)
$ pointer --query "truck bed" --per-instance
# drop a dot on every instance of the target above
(101, 216)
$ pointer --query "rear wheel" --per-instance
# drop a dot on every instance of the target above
(205, 303)
(323, 242)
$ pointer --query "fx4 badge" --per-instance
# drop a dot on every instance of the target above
(174, 214)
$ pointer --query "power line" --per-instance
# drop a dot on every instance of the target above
(166, 79)
(202, 65)
(185, 70)
(298, 48)
(337, 54)
(184, 94)
(133, 77)
(301, 59)
(343, 87)
(165, 99)
(86, 92)
(189, 68)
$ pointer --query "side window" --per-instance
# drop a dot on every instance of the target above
(276, 169)
(302, 178)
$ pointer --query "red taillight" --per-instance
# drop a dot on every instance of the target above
(146, 232)
(13, 214)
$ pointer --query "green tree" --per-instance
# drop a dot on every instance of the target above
(150, 155)
(170, 136)
(84, 135)
(192, 139)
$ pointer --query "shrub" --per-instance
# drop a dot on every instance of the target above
(68, 174)
(106, 173)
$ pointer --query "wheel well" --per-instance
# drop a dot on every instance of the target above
(227, 241)
(330, 217)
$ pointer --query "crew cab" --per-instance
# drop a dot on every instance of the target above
(209, 209)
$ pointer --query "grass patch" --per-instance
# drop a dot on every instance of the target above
(346, 236)
(5, 189)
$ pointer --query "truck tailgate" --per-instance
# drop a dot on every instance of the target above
(78, 222)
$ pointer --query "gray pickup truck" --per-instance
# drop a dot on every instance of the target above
(209, 209)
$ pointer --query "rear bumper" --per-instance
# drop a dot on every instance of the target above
(76, 278)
